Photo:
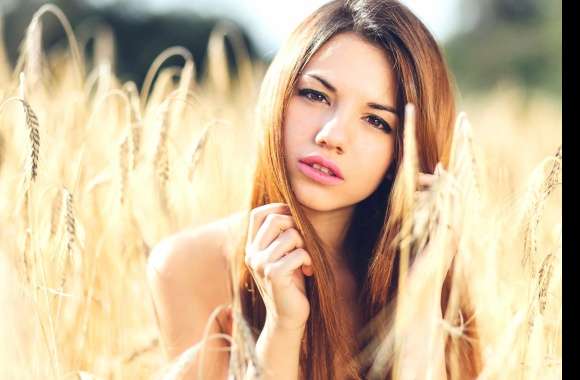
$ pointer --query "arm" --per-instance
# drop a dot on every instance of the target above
(278, 351)
(187, 282)
(422, 355)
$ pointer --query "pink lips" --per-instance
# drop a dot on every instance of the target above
(305, 166)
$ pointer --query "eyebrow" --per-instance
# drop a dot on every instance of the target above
(330, 87)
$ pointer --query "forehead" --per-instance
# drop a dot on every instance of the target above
(349, 61)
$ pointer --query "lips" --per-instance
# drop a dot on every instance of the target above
(319, 160)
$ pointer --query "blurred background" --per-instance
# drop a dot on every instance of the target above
(487, 42)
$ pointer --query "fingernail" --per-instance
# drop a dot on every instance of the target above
(438, 168)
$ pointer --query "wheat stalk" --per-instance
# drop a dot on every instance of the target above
(136, 131)
(539, 191)
(197, 152)
(544, 277)
(72, 41)
(161, 160)
(31, 122)
(248, 350)
(56, 214)
(156, 65)
(124, 164)
(69, 220)
(34, 135)
(139, 352)
(33, 48)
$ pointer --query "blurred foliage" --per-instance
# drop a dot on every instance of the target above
(514, 40)
(139, 36)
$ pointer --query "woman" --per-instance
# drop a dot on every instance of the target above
(314, 261)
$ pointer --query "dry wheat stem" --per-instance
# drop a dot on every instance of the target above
(197, 152)
(156, 65)
(34, 135)
(124, 165)
(56, 215)
(539, 191)
(31, 122)
(73, 43)
(139, 352)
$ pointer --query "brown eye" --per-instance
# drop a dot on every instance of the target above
(313, 95)
(379, 123)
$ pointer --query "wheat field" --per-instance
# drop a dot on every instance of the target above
(94, 172)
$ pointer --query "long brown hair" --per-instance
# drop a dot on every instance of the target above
(422, 79)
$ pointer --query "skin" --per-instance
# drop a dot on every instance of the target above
(341, 126)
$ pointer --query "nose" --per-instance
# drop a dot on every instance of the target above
(333, 134)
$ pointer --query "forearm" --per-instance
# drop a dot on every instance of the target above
(278, 353)
(421, 354)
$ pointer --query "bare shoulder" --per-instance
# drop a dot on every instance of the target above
(197, 253)
(188, 278)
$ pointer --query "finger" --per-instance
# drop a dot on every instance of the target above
(258, 215)
(288, 264)
(287, 242)
(272, 227)
(307, 270)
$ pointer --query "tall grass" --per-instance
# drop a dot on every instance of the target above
(94, 173)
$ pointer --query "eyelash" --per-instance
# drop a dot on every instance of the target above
(307, 93)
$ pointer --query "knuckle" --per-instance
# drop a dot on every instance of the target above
(258, 267)
(270, 218)
(254, 213)
(296, 237)
(301, 252)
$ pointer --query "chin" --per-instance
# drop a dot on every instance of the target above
(316, 199)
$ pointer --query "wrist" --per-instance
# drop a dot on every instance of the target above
(284, 328)
(278, 350)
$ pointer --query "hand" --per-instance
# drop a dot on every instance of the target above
(278, 264)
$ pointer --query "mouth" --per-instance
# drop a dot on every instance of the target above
(324, 165)
(322, 169)
(319, 173)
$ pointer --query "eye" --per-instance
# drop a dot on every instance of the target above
(313, 95)
(379, 123)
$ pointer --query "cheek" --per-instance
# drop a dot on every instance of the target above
(299, 125)
(375, 160)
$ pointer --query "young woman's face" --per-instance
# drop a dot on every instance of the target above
(343, 110)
